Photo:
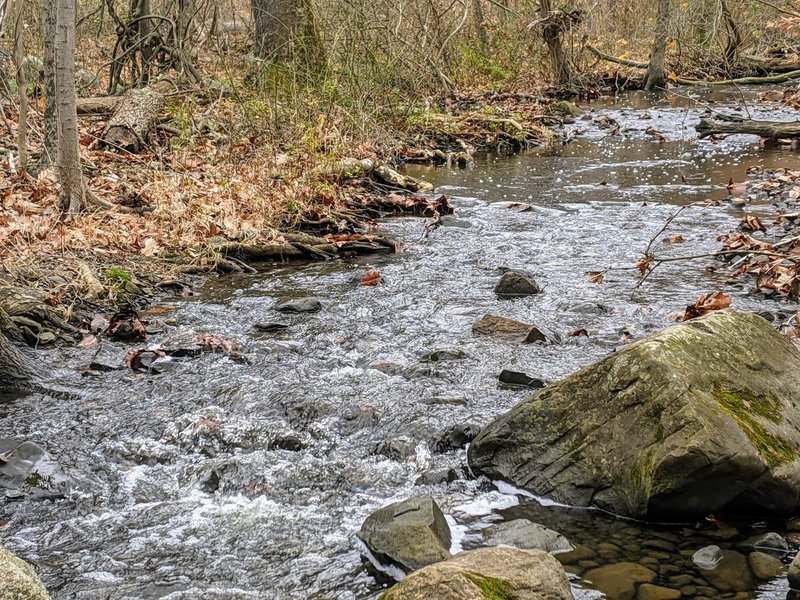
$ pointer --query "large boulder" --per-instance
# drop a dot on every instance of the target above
(699, 417)
(522, 533)
(18, 580)
(410, 534)
(495, 573)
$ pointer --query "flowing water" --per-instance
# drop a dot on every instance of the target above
(176, 485)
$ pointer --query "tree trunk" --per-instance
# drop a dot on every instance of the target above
(134, 120)
(287, 29)
(22, 86)
(552, 28)
(766, 129)
(276, 24)
(144, 28)
(656, 77)
(73, 188)
(479, 21)
(50, 153)
(734, 41)
(16, 369)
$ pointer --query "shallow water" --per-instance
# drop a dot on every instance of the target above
(140, 518)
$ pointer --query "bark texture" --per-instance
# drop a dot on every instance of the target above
(50, 153)
(765, 129)
(656, 77)
(73, 191)
(134, 120)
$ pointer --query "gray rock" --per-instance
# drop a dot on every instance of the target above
(444, 354)
(497, 573)
(397, 448)
(708, 557)
(524, 534)
(515, 379)
(700, 417)
(455, 437)
(433, 477)
(764, 566)
(504, 328)
(794, 573)
(299, 305)
(18, 580)
(516, 285)
(409, 534)
(772, 543)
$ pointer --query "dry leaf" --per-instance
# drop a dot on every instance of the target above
(707, 304)
(372, 278)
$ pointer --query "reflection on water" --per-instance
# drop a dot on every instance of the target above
(182, 486)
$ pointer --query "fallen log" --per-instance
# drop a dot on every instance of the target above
(775, 130)
(771, 65)
(349, 168)
(636, 64)
(98, 106)
(134, 120)
(741, 80)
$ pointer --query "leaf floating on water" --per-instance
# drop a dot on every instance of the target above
(126, 325)
(706, 304)
(751, 223)
(519, 206)
(579, 333)
(88, 341)
(644, 265)
(596, 276)
(141, 361)
(736, 189)
(214, 343)
(676, 239)
(373, 278)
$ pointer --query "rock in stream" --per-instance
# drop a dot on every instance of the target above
(699, 417)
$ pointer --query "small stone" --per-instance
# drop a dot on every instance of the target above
(620, 580)
(576, 555)
(659, 545)
(291, 443)
(524, 534)
(46, 338)
(708, 557)
(503, 327)
(515, 379)
(398, 448)
(794, 574)
(409, 534)
(764, 566)
(270, 327)
(772, 543)
(455, 437)
(648, 591)
(516, 285)
(444, 354)
(299, 305)
(434, 477)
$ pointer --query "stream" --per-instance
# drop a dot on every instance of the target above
(247, 474)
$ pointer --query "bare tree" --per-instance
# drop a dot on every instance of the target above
(554, 23)
(48, 157)
(655, 77)
(288, 29)
(73, 187)
(22, 84)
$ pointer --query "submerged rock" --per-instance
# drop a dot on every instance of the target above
(619, 581)
(409, 534)
(731, 574)
(487, 573)
(527, 535)
(516, 285)
(708, 557)
(299, 305)
(699, 417)
(764, 566)
(510, 329)
(794, 574)
(455, 437)
(18, 580)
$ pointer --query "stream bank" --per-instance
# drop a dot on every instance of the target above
(183, 484)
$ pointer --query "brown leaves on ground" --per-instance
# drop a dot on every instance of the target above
(373, 278)
(706, 304)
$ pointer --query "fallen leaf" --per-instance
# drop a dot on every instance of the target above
(676, 239)
(88, 341)
(706, 304)
(596, 276)
(751, 223)
(579, 333)
(214, 343)
(736, 189)
(644, 265)
(372, 278)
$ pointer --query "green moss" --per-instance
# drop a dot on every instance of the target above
(642, 477)
(118, 275)
(492, 588)
(746, 409)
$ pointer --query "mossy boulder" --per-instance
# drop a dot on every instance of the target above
(409, 534)
(700, 417)
(487, 574)
(18, 580)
